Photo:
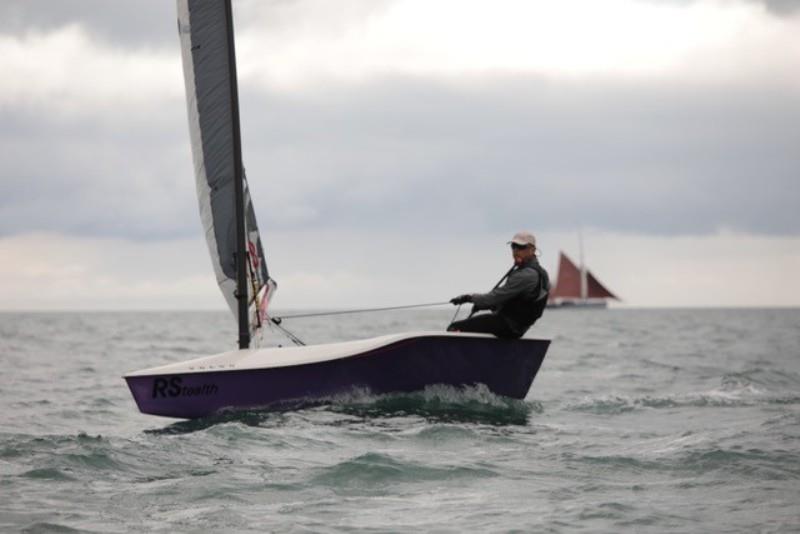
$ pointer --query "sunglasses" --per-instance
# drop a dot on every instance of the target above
(514, 246)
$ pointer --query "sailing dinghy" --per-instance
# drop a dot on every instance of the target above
(250, 378)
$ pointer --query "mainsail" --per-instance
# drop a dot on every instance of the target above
(568, 284)
(205, 29)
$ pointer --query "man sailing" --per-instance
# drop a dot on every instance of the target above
(515, 305)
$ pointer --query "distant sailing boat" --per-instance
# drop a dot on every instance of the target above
(253, 378)
(577, 287)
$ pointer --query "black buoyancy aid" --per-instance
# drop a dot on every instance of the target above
(525, 310)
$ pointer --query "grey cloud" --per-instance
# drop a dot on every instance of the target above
(417, 156)
(780, 8)
(133, 24)
(127, 178)
(152, 22)
(783, 7)
(653, 159)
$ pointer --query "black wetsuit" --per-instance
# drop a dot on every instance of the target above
(515, 305)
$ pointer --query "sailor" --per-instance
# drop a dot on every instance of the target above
(513, 306)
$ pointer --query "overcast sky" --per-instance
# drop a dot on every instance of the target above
(392, 148)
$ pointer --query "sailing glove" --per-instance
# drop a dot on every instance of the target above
(461, 299)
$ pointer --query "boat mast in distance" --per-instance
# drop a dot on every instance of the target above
(578, 287)
(584, 289)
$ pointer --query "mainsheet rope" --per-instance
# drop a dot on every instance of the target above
(362, 310)
(277, 320)
(297, 341)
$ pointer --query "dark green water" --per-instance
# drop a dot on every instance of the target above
(640, 421)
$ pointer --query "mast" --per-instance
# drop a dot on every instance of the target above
(238, 178)
(226, 209)
(584, 290)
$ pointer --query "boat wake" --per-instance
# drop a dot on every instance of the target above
(438, 403)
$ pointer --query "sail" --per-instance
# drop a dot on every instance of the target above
(596, 290)
(568, 284)
(210, 79)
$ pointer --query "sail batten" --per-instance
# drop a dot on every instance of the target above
(209, 76)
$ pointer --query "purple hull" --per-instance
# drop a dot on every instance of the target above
(506, 367)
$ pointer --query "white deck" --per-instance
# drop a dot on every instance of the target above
(285, 356)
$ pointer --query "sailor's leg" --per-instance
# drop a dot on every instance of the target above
(485, 323)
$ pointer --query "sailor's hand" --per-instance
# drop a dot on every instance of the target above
(461, 299)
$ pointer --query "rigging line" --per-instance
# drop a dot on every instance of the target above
(363, 310)
(296, 340)
(454, 316)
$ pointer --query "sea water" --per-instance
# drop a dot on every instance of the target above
(639, 420)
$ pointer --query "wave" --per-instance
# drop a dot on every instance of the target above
(446, 404)
(375, 470)
(618, 404)
(47, 473)
(762, 378)
(754, 387)
(754, 463)
(757, 464)
(61, 458)
(50, 528)
(14, 445)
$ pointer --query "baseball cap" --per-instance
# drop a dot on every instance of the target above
(523, 238)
